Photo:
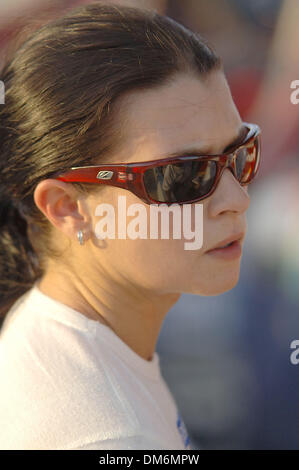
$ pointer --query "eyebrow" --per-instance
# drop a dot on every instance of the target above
(206, 150)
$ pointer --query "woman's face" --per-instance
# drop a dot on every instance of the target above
(189, 113)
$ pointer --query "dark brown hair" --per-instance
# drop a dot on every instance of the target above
(61, 87)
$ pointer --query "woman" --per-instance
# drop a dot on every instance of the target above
(109, 85)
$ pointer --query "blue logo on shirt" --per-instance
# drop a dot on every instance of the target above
(183, 431)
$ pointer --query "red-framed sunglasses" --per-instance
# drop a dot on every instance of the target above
(181, 179)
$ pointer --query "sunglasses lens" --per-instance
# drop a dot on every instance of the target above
(180, 182)
(246, 162)
(191, 180)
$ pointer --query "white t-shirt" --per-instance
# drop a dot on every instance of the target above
(69, 382)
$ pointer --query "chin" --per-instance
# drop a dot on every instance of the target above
(214, 288)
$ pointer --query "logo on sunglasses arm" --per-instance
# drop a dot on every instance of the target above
(104, 175)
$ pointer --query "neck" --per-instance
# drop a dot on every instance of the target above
(134, 314)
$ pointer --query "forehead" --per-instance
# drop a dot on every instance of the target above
(189, 111)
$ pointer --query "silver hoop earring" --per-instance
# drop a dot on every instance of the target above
(80, 237)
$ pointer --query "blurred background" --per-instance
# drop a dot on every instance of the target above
(226, 358)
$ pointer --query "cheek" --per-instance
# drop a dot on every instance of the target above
(164, 266)
(154, 263)
(167, 261)
(160, 264)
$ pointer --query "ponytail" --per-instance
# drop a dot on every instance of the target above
(18, 262)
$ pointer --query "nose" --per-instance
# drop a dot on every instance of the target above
(229, 195)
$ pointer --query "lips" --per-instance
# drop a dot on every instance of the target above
(228, 240)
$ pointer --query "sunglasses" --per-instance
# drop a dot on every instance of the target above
(181, 179)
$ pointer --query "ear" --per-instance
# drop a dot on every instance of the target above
(62, 205)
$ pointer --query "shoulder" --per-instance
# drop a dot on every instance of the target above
(59, 385)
